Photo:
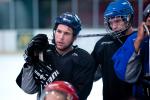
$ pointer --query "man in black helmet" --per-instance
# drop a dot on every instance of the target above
(45, 63)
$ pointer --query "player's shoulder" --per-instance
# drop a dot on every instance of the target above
(107, 39)
(81, 52)
(51, 47)
(132, 36)
(80, 55)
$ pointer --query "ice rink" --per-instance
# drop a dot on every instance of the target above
(10, 66)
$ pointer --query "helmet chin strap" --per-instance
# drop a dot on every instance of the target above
(119, 35)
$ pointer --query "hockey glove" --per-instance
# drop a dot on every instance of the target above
(38, 44)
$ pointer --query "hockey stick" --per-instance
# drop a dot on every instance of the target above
(92, 35)
(146, 29)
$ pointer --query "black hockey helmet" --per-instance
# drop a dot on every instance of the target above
(146, 11)
(71, 20)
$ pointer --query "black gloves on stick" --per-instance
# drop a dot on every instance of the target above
(38, 44)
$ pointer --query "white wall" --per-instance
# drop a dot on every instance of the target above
(8, 39)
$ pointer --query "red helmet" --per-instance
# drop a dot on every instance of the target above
(63, 87)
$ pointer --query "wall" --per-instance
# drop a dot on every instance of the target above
(16, 40)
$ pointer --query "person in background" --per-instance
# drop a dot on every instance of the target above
(132, 59)
(60, 60)
(59, 90)
(118, 19)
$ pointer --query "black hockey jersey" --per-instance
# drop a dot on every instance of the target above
(76, 67)
(113, 88)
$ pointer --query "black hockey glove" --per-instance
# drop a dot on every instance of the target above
(38, 44)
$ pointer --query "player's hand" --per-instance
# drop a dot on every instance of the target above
(141, 32)
(38, 44)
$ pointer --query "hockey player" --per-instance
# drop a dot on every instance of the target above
(59, 90)
(132, 59)
(61, 60)
(118, 18)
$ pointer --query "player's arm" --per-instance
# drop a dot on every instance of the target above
(140, 36)
(134, 65)
(97, 54)
(25, 80)
(133, 69)
(127, 63)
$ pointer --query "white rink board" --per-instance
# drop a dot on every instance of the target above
(10, 66)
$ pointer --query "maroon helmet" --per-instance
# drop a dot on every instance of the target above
(62, 86)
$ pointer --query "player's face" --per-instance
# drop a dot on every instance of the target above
(117, 24)
(148, 22)
(55, 96)
(63, 37)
